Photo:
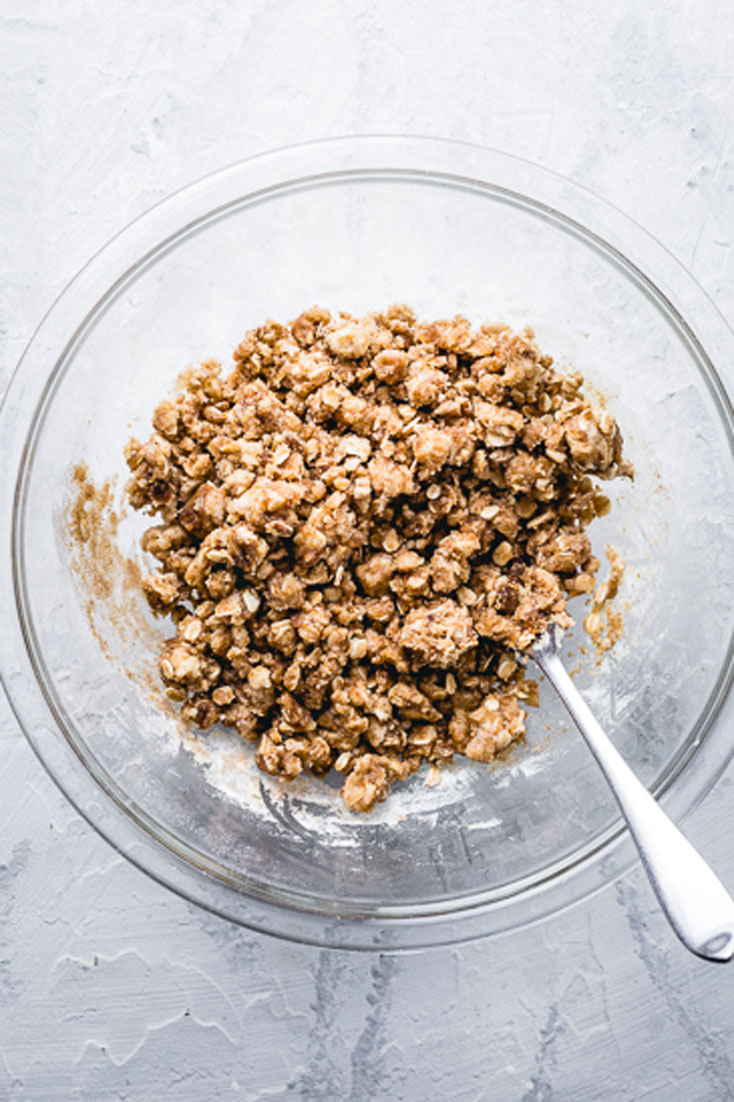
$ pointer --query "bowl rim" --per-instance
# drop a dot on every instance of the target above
(294, 915)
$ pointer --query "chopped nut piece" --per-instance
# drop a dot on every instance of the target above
(392, 541)
(493, 726)
(367, 784)
(438, 634)
(432, 447)
(391, 366)
(162, 591)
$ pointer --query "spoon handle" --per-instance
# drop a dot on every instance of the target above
(696, 903)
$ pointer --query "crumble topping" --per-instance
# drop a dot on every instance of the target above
(362, 525)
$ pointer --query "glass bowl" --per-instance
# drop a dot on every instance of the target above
(357, 224)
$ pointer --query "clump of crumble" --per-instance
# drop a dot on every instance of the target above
(362, 524)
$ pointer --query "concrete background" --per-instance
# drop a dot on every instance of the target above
(110, 986)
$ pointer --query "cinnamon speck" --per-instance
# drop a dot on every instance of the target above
(108, 582)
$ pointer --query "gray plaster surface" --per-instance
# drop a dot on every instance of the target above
(113, 988)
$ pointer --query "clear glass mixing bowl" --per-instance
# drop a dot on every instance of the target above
(356, 224)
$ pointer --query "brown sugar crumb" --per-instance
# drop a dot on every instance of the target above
(91, 526)
(360, 527)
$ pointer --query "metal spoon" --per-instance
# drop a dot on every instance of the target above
(696, 903)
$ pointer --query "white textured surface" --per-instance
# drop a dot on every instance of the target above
(112, 988)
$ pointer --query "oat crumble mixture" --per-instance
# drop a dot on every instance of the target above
(364, 525)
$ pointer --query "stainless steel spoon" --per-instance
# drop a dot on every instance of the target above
(696, 903)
